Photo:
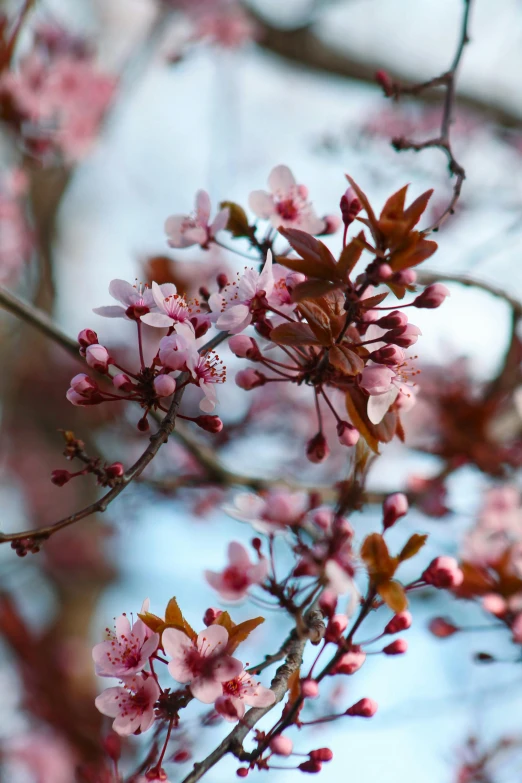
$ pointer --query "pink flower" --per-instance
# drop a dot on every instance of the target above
(234, 306)
(272, 513)
(443, 572)
(136, 300)
(132, 706)
(171, 308)
(207, 369)
(45, 756)
(127, 651)
(202, 662)
(233, 583)
(240, 691)
(286, 204)
(174, 350)
(186, 230)
(385, 386)
(164, 385)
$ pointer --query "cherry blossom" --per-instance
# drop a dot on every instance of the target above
(385, 386)
(171, 308)
(240, 691)
(202, 662)
(44, 755)
(233, 582)
(272, 513)
(186, 230)
(136, 301)
(15, 235)
(208, 370)
(234, 307)
(127, 651)
(286, 204)
(131, 706)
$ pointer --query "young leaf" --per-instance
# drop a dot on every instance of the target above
(412, 546)
(226, 621)
(345, 360)
(356, 404)
(309, 248)
(350, 255)
(241, 632)
(174, 618)
(381, 566)
(363, 198)
(237, 219)
(415, 210)
(393, 595)
(152, 621)
(312, 289)
(293, 334)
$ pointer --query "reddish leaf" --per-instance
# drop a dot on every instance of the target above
(312, 289)
(393, 595)
(356, 405)
(174, 618)
(363, 198)
(350, 255)
(412, 546)
(241, 632)
(306, 266)
(310, 249)
(415, 210)
(381, 566)
(152, 621)
(226, 621)
(318, 320)
(413, 251)
(394, 208)
(293, 334)
(345, 360)
(373, 301)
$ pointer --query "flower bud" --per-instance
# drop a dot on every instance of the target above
(87, 337)
(442, 628)
(347, 434)
(398, 647)
(388, 354)
(116, 470)
(384, 79)
(401, 622)
(244, 347)
(394, 507)
(393, 320)
(404, 337)
(60, 477)
(443, 572)
(350, 662)
(336, 627)
(310, 690)
(249, 379)
(222, 280)
(164, 385)
(211, 615)
(181, 756)
(242, 772)
(328, 602)
(281, 746)
(201, 324)
(331, 225)
(494, 604)
(97, 357)
(350, 206)
(122, 382)
(405, 277)
(432, 296)
(384, 272)
(75, 398)
(84, 385)
(143, 424)
(365, 708)
(209, 423)
(317, 448)
(310, 766)
(321, 754)
(112, 745)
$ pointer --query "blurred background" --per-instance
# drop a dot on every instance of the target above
(213, 94)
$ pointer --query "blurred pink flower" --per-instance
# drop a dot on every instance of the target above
(233, 307)
(136, 300)
(286, 204)
(131, 706)
(271, 513)
(233, 582)
(241, 691)
(187, 230)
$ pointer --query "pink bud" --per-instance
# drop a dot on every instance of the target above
(249, 379)
(281, 746)
(432, 296)
(310, 766)
(321, 754)
(293, 279)
(87, 337)
(442, 628)
(211, 615)
(112, 745)
(60, 477)
(405, 277)
(365, 708)
(244, 347)
(97, 357)
(401, 622)
(317, 448)
(331, 224)
(328, 602)
(393, 320)
(122, 382)
(242, 772)
(388, 354)
(384, 272)
(350, 662)
(384, 79)
(181, 756)
(398, 647)
(347, 434)
(323, 519)
(75, 398)
(394, 507)
(84, 385)
(404, 337)
(309, 689)
(164, 385)
(116, 470)
(209, 423)
(494, 604)
(443, 572)
(336, 627)
(350, 206)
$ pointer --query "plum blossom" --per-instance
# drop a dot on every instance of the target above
(127, 651)
(174, 350)
(240, 691)
(131, 706)
(171, 308)
(234, 306)
(233, 582)
(498, 530)
(286, 204)
(202, 662)
(187, 230)
(207, 369)
(15, 234)
(385, 386)
(45, 756)
(272, 513)
(136, 301)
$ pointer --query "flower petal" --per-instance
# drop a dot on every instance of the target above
(220, 221)
(235, 319)
(110, 311)
(262, 204)
(202, 207)
(213, 640)
(123, 291)
(281, 180)
(226, 668)
(159, 320)
(206, 690)
(238, 555)
(378, 405)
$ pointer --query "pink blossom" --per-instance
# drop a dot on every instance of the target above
(164, 385)
(127, 651)
(131, 706)
(16, 241)
(240, 691)
(286, 204)
(187, 230)
(174, 350)
(270, 514)
(97, 357)
(172, 308)
(365, 708)
(136, 300)
(249, 379)
(202, 662)
(385, 386)
(233, 308)
(281, 746)
(432, 296)
(394, 507)
(350, 662)
(443, 572)
(45, 756)
(233, 583)
(208, 370)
